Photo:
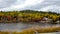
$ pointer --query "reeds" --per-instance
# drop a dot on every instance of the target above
(34, 30)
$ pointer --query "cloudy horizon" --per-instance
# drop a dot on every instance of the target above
(41, 5)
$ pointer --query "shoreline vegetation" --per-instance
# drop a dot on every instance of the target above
(29, 16)
(35, 30)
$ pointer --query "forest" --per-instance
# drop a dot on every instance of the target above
(29, 16)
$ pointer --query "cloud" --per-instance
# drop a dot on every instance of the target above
(47, 3)
(6, 3)
(19, 2)
(53, 8)
(50, 7)
(23, 5)
(43, 5)
(28, 3)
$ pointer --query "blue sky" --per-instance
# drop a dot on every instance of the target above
(43, 5)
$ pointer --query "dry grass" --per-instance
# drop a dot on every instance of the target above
(32, 30)
(40, 30)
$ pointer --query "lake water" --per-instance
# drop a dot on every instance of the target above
(20, 26)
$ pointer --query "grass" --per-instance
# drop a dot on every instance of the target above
(32, 30)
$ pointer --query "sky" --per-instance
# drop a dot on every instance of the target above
(40, 5)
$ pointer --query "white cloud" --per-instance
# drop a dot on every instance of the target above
(47, 8)
(6, 3)
(28, 3)
(43, 5)
(53, 8)
(23, 5)
(1, 1)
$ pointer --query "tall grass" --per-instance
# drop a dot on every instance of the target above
(32, 30)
